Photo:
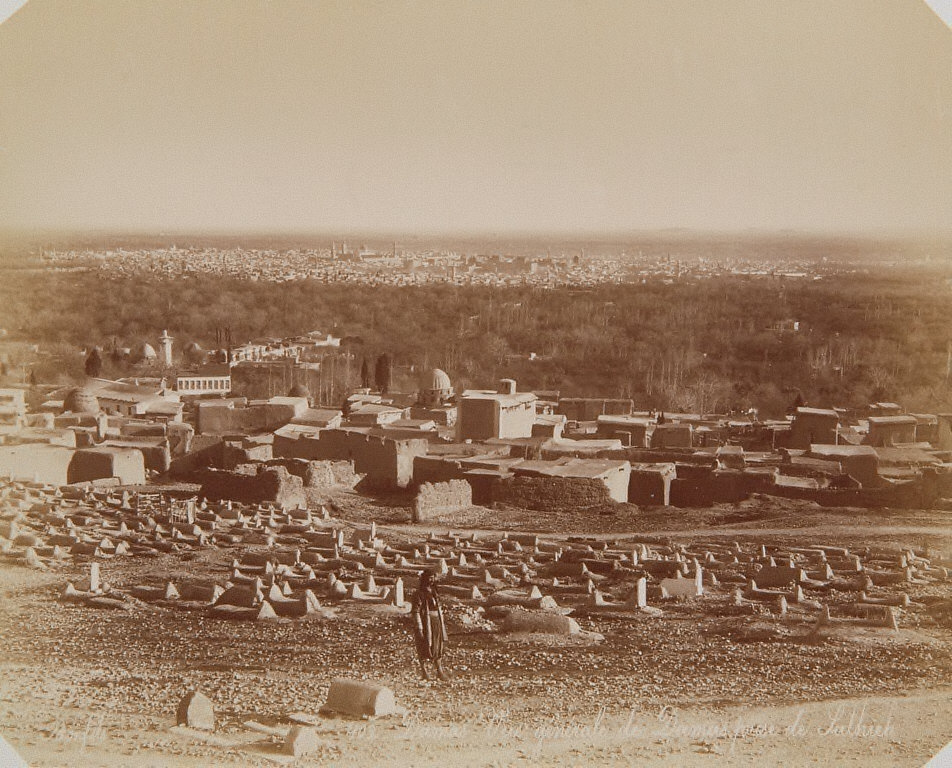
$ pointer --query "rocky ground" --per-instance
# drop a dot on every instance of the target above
(695, 685)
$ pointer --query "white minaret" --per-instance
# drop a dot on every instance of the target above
(166, 341)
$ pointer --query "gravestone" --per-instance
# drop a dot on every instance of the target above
(196, 711)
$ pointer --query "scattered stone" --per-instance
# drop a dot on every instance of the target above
(359, 699)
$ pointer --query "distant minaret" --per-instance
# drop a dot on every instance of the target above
(166, 342)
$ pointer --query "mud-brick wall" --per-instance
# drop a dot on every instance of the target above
(435, 469)
(552, 493)
(274, 484)
(319, 474)
(915, 495)
(435, 499)
(386, 463)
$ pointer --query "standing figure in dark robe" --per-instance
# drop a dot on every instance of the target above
(429, 628)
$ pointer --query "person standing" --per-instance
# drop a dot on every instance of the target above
(429, 627)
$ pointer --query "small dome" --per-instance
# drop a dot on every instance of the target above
(437, 380)
(146, 351)
(193, 346)
(80, 400)
(299, 390)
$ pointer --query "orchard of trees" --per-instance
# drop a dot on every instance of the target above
(712, 345)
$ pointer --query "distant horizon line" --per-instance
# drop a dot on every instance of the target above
(885, 233)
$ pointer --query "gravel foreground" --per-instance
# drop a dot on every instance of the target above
(86, 686)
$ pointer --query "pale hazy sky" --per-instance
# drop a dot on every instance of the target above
(488, 115)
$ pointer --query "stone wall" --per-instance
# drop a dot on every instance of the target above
(320, 474)
(243, 451)
(270, 484)
(434, 469)
(303, 447)
(386, 463)
(435, 499)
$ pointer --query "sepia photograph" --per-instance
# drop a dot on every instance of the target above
(475, 383)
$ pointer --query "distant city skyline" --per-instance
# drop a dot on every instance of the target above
(461, 117)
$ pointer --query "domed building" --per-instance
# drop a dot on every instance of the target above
(435, 389)
(146, 352)
(80, 400)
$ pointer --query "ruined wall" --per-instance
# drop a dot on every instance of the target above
(207, 451)
(386, 463)
(156, 454)
(180, 437)
(236, 452)
(434, 469)
(303, 447)
(435, 499)
(691, 492)
(320, 474)
(551, 493)
(270, 484)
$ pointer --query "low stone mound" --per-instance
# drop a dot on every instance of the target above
(240, 596)
(539, 623)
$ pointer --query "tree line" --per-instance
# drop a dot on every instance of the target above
(712, 345)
